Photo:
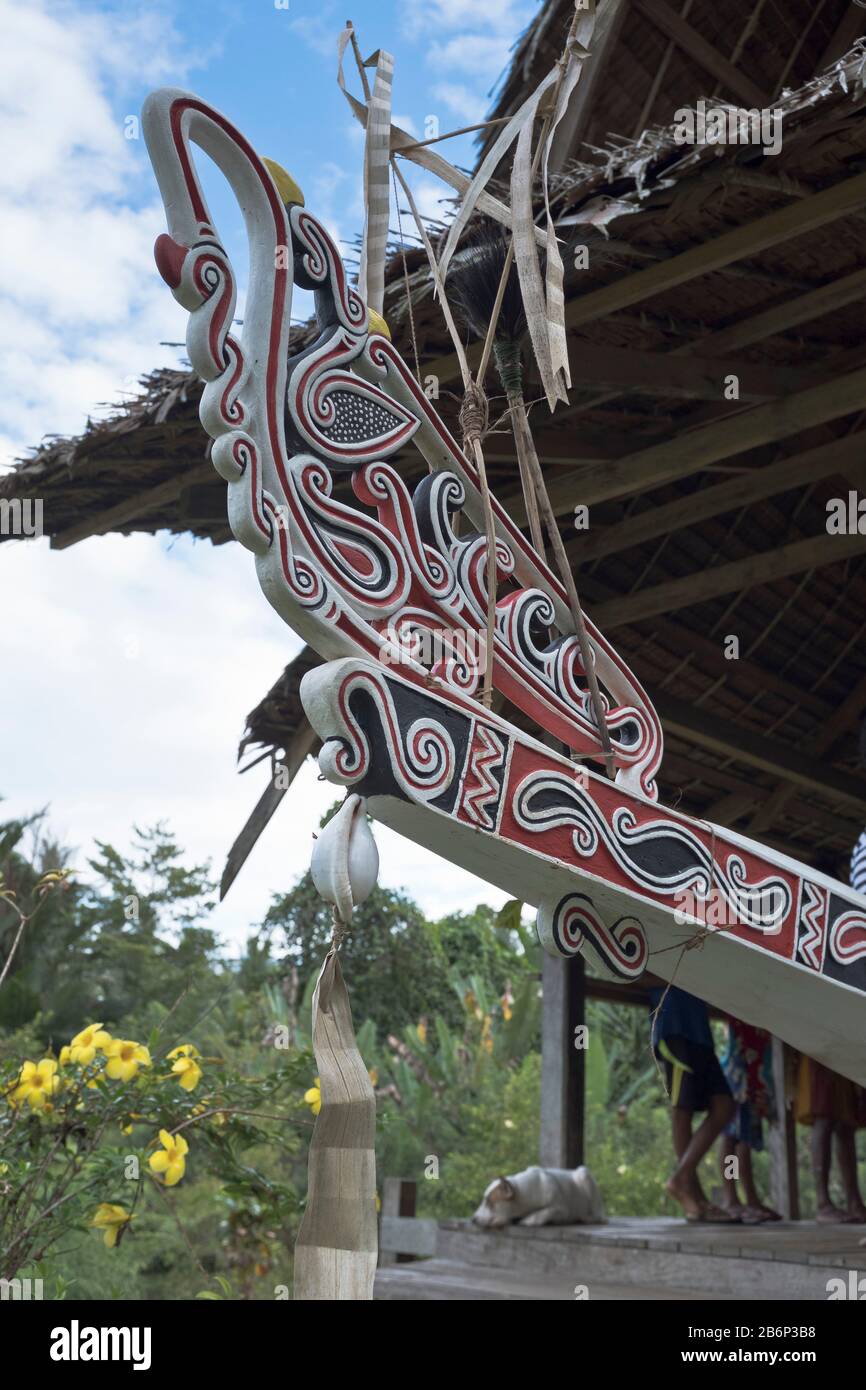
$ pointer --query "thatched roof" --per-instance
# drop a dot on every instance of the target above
(708, 515)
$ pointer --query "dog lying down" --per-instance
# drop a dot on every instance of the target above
(542, 1197)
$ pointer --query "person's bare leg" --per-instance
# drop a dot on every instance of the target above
(684, 1186)
(728, 1150)
(755, 1209)
(846, 1153)
(688, 1193)
(822, 1137)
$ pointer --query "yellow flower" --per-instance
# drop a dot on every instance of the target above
(110, 1218)
(187, 1071)
(124, 1059)
(170, 1160)
(506, 1001)
(65, 1055)
(313, 1097)
(36, 1082)
(422, 1032)
(373, 1074)
(87, 1043)
(184, 1050)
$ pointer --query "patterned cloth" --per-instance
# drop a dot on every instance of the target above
(858, 865)
(822, 1095)
(747, 1065)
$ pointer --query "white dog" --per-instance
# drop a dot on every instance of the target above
(542, 1197)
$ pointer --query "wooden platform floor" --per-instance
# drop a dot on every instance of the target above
(630, 1258)
(801, 1242)
(450, 1280)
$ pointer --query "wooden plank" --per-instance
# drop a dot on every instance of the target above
(701, 51)
(114, 517)
(302, 743)
(774, 228)
(692, 451)
(754, 749)
(573, 126)
(751, 486)
(404, 1235)
(768, 565)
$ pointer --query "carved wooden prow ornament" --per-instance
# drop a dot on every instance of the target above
(613, 874)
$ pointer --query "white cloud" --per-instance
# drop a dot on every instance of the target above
(130, 666)
(437, 16)
(79, 309)
(482, 56)
(467, 103)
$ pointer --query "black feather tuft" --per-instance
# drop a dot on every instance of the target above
(474, 282)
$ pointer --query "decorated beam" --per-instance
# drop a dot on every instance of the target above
(395, 600)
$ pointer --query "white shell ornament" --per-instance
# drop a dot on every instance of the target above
(345, 861)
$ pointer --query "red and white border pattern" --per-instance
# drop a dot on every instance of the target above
(385, 736)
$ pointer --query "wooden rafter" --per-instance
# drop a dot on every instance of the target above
(702, 52)
(772, 229)
(751, 486)
(692, 451)
(849, 31)
(302, 742)
(822, 742)
(816, 552)
(755, 749)
(696, 377)
(573, 126)
(113, 518)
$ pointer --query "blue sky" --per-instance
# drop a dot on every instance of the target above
(130, 663)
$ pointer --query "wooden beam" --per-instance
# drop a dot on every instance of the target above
(754, 749)
(563, 1065)
(850, 28)
(573, 126)
(696, 377)
(751, 486)
(696, 47)
(769, 322)
(784, 1179)
(764, 568)
(302, 743)
(97, 524)
(692, 451)
(806, 215)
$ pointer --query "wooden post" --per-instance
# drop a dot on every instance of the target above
(398, 1199)
(782, 1143)
(563, 1068)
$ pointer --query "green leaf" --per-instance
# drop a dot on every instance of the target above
(508, 916)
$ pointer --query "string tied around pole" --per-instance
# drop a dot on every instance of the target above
(474, 414)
